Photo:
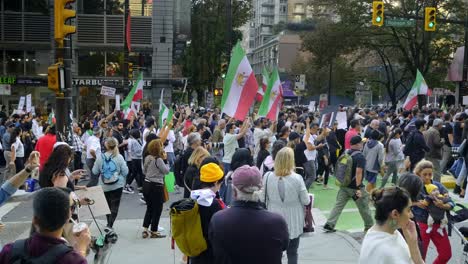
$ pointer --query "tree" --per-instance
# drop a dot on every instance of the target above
(208, 48)
(401, 51)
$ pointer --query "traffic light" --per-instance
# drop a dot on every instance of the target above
(378, 13)
(130, 70)
(430, 19)
(54, 78)
(218, 92)
(224, 69)
(61, 15)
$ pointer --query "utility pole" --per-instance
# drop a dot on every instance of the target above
(126, 53)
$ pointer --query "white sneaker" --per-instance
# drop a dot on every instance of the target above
(142, 200)
(126, 189)
(160, 229)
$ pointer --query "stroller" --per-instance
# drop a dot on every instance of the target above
(458, 224)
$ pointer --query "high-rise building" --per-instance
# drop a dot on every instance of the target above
(27, 48)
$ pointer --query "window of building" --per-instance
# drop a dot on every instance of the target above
(14, 62)
(114, 64)
(90, 6)
(142, 62)
(12, 5)
(283, 9)
(90, 63)
(299, 8)
(36, 6)
(37, 62)
(115, 7)
(141, 7)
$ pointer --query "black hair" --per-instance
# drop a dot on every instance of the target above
(354, 123)
(51, 208)
(392, 135)
(375, 134)
(58, 161)
(284, 130)
(419, 123)
(447, 117)
(135, 133)
(86, 126)
(240, 158)
(277, 146)
(412, 184)
(14, 134)
(149, 122)
(229, 127)
(51, 130)
(388, 199)
(150, 137)
(264, 143)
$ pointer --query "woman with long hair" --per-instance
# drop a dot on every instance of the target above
(323, 157)
(285, 193)
(113, 170)
(424, 169)
(394, 156)
(383, 243)
(240, 158)
(263, 153)
(56, 173)
(17, 149)
(192, 174)
(155, 168)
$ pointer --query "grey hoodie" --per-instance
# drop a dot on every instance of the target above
(374, 154)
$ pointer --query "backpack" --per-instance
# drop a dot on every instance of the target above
(344, 169)
(109, 174)
(19, 253)
(179, 170)
(186, 227)
(407, 150)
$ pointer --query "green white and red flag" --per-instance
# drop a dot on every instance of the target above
(262, 89)
(240, 86)
(419, 88)
(131, 103)
(273, 98)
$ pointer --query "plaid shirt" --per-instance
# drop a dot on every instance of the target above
(77, 143)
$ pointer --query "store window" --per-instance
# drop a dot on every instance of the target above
(14, 62)
(114, 64)
(36, 6)
(91, 6)
(115, 7)
(90, 63)
(142, 62)
(37, 62)
(12, 5)
(141, 7)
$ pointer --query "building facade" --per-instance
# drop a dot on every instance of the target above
(27, 48)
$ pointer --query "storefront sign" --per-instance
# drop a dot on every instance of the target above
(108, 91)
(100, 82)
(7, 80)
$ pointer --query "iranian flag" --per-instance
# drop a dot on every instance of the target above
(165, 113)
(262, 89)
(240, 86)
(419, 88)
(271, 104)
(131, 104)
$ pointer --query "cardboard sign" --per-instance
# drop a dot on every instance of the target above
(341, 118)
(117, 102)
(21, 103)
(99, 207)
(312, 106)
(108, 91)
(28, 103)
(326, 119)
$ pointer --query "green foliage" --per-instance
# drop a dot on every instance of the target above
(396, 52)
(208, 48)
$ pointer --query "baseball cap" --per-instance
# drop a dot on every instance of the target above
(247, 179)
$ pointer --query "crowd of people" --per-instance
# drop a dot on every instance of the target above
(251, 178)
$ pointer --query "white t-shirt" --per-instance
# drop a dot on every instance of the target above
(146, 132)
(383, 248)
(19, 148)
(311, 154)
(230, 146)
(93, 143)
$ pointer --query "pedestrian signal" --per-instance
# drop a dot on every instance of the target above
(224, 69)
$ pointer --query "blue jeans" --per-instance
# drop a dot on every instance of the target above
(171, 160)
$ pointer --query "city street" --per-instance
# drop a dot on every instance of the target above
(318, 247)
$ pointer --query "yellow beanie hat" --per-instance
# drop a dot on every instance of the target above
(211, 172)
(430, 188)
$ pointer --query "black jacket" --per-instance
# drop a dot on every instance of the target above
(247, 233)
(417, 144)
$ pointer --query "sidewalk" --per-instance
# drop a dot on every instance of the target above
(314, 248)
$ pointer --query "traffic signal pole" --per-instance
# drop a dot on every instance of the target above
(64, 103)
